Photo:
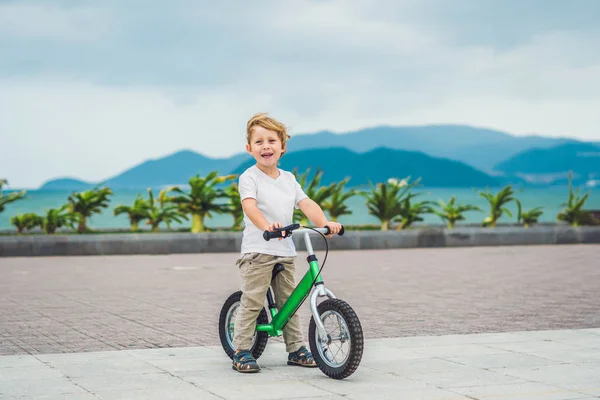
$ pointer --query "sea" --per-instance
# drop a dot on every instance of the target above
(551, 200)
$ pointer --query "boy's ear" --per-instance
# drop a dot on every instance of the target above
(248, 148)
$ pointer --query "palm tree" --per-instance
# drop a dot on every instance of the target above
(235, 205)
(9, 198)
(56, 218)
(385, 199)
(335, 205)
(411, 212)
(319, 194)
(162, 210)
(25, 222)
(528, 217)
(83, 205)
(136, 213)
(451, 212)
(497, 204)
(201, 201)
(573, 211)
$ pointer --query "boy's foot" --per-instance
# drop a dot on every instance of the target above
(302, 357)
(244, 361)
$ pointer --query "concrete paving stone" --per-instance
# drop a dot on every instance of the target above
(415, 366)
(150, 381)
(30, 388)
(570, 376)
(19, 361)
(450, 340)
(183, 393)
(176, 353)
(579, 356)
(540, 345)
(428, 377)
(83, 358)
(191, 364)
(237, 390)
(369, 381)
(107, 367)
(226, 374)
(467, 376)
(401, 393)
(64, 396)
(40, 371)
(523, 391)
(502, 360)
(457, 350)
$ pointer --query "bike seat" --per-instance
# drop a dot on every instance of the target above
(277, 269)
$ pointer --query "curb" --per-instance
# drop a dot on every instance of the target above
(221, 242)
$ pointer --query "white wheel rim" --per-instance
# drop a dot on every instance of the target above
(229, 325)
(335, 353)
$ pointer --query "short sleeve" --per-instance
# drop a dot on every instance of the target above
(300, 195)
(247, 187)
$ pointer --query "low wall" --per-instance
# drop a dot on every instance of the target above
(216, 242)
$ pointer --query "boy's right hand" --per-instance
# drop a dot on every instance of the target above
(276, 225)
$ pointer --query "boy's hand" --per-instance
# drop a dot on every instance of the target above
(334, 228)
(276, 225)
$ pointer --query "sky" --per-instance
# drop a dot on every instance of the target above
(89, 89)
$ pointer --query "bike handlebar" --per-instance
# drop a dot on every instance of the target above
(277, 233)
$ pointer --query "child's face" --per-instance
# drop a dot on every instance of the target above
(265, 146)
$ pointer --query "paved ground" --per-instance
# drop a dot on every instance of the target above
(547, 365)
(77, 304)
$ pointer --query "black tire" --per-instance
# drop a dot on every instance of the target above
(258, 345)
(351, 320)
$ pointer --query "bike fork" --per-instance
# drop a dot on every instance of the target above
(320, 291)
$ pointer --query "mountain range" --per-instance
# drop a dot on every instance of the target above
(442, 155)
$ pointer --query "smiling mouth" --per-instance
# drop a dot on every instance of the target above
(267, 155)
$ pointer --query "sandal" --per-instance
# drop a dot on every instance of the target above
(302, 357)
(244, 361)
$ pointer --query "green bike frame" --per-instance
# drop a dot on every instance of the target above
(280, 318)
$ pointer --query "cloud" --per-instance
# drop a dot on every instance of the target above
(89, 90)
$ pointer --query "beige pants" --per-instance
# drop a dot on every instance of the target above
(256, 271)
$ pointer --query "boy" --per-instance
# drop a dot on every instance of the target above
(269, 196)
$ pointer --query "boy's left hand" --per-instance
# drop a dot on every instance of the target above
(334, 228)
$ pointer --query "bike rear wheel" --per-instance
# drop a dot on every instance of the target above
(226, 327)
(341, 354)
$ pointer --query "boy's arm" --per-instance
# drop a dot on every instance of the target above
(251, 209)
(313, 212)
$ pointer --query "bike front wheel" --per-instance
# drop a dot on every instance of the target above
(340, 355)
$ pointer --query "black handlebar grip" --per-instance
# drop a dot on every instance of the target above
(340, 233)
(268, 235)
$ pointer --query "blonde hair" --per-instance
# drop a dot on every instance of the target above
(263, 119)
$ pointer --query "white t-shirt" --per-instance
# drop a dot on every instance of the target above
(276, 200)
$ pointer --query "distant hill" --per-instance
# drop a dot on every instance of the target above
(543, 164)
(482, 149)
(66, 184)
(176, 168)
(380, 164)
(479, 147)
(376, 166)
(173, 169)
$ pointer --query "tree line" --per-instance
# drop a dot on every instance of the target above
(394, 203)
